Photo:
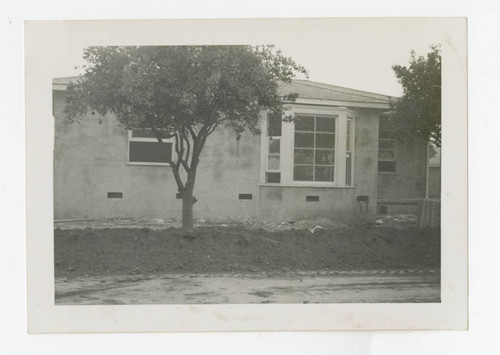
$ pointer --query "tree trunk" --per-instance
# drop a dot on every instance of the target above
(187, 209)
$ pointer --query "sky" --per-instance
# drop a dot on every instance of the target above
(353, 53)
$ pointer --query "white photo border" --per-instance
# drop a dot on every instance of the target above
(45, 40)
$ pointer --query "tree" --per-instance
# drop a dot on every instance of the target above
(183, 93)
(418, 111)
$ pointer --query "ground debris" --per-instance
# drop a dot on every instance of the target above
(317, 230)
(240, 248)
(166, 223)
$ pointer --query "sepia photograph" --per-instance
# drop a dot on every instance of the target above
(298, 167)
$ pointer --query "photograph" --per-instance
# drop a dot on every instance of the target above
(295, 167)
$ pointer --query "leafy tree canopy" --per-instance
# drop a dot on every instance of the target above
(419, 109)
(184, 93)
(183, 87)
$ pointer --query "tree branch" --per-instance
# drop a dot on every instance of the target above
(175, 167)
(188, 149)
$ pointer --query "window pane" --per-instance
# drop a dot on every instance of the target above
(273, 178)
(325, 124)
(274, 126)
(273, 162)
(304, 140)
(325, 157)
(324, 173)
(303, 156)
(348, 169)
(349, 136)
(274, 146)
(324, 140)
(150, 152)
(387, 166)
(303, 173)
(386, 154)
(304, 124)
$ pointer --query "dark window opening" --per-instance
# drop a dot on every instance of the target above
(274, 126)
(273, 178)
(150, 152)
(386, 148)
(245, 196)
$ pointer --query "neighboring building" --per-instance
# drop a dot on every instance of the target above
(435, 174)
(333, 162)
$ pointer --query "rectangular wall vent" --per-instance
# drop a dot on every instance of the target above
(312, 198)
(245, 196)
(115, 195)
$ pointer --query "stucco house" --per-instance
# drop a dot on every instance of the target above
(336, 160)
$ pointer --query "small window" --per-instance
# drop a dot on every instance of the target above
(348, 153)
(273, 161)
(144, 147)
(386, 152)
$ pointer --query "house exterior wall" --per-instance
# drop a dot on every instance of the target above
(408, 182)
(401, 192)
(286, 203)
(90, 160)
(366, 159)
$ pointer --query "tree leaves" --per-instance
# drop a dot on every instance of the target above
(419, 110)
(180, 86)
(187, 90)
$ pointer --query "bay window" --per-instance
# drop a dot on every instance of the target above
(316, 149)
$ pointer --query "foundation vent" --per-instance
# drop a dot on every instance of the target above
(115, 195)
(312, 198)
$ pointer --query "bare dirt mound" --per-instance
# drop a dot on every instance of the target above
(230, 248)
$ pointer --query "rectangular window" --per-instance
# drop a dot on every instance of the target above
(273, 162)
(314, 149)
(348, 153)
(386, 152)
(144, 147)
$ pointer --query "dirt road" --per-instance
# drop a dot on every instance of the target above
(307, 287)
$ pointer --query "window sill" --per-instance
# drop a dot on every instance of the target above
(146, 164)
(386, 173)
(309, 186)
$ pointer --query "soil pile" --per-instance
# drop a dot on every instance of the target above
(238, 249)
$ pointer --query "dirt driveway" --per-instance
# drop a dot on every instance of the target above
(308, 287)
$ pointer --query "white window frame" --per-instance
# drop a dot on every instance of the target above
(353, 140)
(287, 145)
(265, 148)
(147, 139)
